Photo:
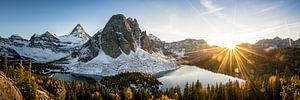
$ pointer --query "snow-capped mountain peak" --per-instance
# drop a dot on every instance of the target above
(47, 33)
(43, 47)
(15, 37)
(76, 38)
(78, 31)
(115, 49)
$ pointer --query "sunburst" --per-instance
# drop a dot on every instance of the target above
(233, 59)
(236, 61)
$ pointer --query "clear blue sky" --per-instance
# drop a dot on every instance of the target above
(171, 20)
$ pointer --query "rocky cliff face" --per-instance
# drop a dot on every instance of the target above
(159, 45)
(135, 28)
(185, 46)
(116, 36)
(120, 35)
(146, 43)
(8, 90)
(274, 43)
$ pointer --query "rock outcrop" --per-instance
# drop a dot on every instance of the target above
(135, 28)
(146, 43)
(8, 90)
(116, 36)
(274, 43)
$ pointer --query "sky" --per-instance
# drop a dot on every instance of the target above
(216, 21)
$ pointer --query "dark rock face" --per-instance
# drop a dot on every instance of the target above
(46, 40)
(110, 45)
(141, 38)
(117, 34)
(135, 28)
(124, 44)
(90, 49)
(146, 43)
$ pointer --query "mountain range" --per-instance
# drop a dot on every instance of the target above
(120, 46)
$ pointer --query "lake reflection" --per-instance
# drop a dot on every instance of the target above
(171, 78)
(191, 74)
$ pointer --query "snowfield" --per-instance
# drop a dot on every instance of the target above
(44, 54)
(38, 54)
(73, 40)
(139, 61)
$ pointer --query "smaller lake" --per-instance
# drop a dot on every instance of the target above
(191, 74)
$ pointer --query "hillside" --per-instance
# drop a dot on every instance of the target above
(8, 89)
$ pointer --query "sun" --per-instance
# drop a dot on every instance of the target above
(230, 46)
(225, 42)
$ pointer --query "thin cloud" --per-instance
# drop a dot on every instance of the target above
(211, 8)
(267, 9)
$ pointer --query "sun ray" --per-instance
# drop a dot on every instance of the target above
(197, 58)
(224, 61)
(224, 50)
(250, 51)
(243, 55)
(241, 65)
(231, 60)
(206, 49)
(216, 56)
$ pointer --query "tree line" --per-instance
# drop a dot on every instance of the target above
(285, 85)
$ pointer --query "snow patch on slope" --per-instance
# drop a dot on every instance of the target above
(41, 55)
(72, 41)
(139, 61)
